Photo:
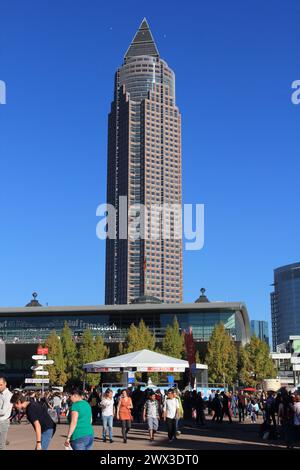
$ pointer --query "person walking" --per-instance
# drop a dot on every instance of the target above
(5, 411)
(287, 419)
(57, 401)
(124, 413)
(107, 407)
(253, 408)
(38, 416)
(296, 417)
(80, 434)
(234, 404)
(216, 406)
(270, 409)
(151, 414)
(241, 407)
(200, 407)
(171, 413)
(180, 411)
(226, 410)
(94, 402)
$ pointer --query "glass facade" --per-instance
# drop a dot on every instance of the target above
(203, 323)
(144, 164)
(285, 304)
(260, 329)
(33, 327)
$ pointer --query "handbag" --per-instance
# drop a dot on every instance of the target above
(53, 415)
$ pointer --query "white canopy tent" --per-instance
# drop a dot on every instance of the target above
(140, 361)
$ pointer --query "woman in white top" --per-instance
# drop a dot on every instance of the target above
(107, 407)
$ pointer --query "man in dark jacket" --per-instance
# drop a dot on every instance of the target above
(226, 407)
(200, 407)
(216, 406)
(241, 407)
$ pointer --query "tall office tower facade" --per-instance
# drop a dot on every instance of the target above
(144, 166)
(260, 328)
(285, 304)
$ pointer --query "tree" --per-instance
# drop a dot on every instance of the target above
(101, 351)
(70, 353)
(173, 342)
(221, 357)
(242, 365)
(91, 350)
(256, 363)
(197, 357)
(57, 373)
(87, 353)
(138, 338)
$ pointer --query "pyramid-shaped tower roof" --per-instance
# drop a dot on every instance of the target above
(142, 43)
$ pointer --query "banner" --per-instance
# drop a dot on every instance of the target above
(190, 353)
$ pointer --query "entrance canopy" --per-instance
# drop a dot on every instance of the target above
(140, 361)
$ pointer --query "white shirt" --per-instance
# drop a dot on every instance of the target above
(107, 406)
(5, 405)
(170, 407)
(297, 414)
(152, 409)
(57, 401)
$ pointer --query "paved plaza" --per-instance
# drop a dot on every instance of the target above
(212, 436)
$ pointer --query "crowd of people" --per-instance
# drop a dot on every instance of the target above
(82, 409)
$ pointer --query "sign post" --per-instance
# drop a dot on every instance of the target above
(38, 368)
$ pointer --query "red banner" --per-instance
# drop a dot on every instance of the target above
(190, 352)
(42, 351)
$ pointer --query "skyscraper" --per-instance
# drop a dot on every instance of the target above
(260, 328)
(285, 303)
(144, 165)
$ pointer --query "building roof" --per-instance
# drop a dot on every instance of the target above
(146, 299)
(170, 308)
(164, 307)
(142, 359)
(287, 267)
(202, 297)
(34, 302)
(142, 43)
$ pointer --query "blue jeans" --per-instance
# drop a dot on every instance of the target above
(46, 438)
(57, 409)
(107, 423)
(83, 443)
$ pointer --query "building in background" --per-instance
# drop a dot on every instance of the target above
(285, 304)
(260, 328)
(287, 362)
(22, 329)
(144, 165)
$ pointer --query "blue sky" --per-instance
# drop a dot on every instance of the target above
(234, 63)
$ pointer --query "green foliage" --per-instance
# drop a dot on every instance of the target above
(101, 351)
(87, 353)
(173, 342)
(139, 337)
(70, 354)
(255, 363)
(172, 345)
(221, 357)
(57, 373)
